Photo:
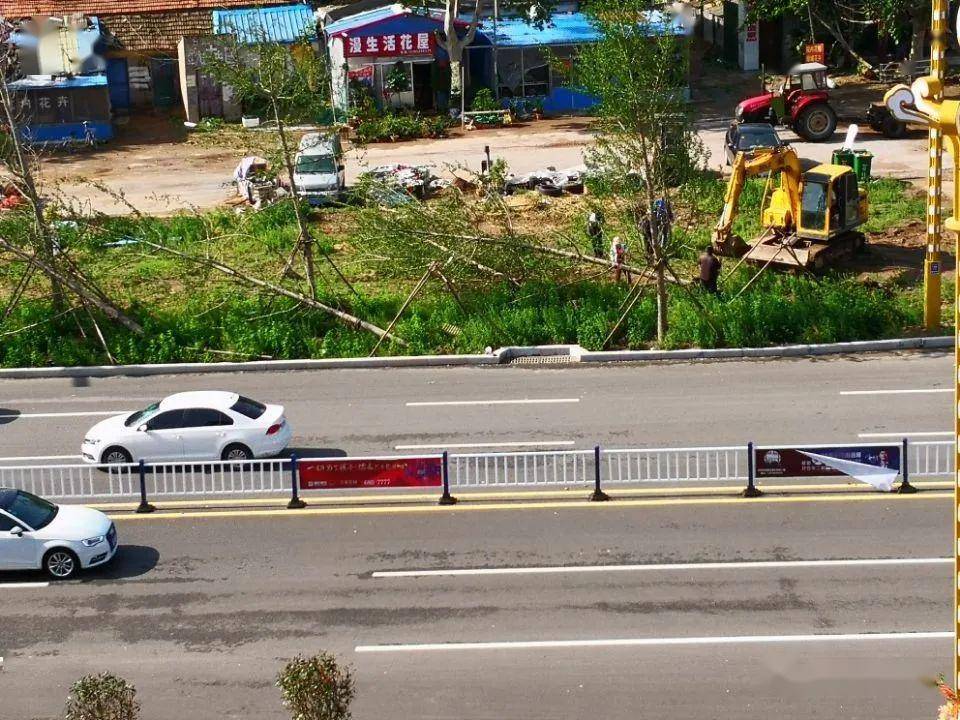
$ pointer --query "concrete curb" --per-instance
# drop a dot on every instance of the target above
(502, 356)
(844, 348)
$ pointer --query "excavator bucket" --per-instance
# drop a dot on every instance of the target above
(730, 246)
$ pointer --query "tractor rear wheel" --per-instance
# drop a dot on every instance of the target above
(816, 123)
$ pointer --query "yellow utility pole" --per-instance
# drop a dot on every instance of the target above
(931, 263)
(923, 102)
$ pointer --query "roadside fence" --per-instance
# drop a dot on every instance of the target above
(599, 467)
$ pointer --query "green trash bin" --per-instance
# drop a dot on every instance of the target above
(842, 156)
(862, 162)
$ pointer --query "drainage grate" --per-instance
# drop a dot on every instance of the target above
(543, 360)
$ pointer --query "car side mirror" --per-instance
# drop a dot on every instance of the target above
(16, 531)
(341, 167)
(143, 428)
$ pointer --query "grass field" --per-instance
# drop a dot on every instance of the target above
(192, 313)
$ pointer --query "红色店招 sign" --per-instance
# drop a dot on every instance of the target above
(815, 53)
(390, 45)
(877, 465)
(363, 473)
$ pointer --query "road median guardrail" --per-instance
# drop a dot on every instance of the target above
(448, 473)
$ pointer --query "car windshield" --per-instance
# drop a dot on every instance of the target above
(757, 137)
(316, 164)
(251, 408)
(142, 415)
(33, 511)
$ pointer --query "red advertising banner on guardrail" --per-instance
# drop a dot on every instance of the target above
(368, 473)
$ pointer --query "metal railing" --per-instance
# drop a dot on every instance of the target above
(565, 467)
(724, 464)
(710, 464)
(931, 458)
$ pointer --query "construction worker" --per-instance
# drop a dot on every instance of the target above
(618, 256)
(595, 233)
(710, 270)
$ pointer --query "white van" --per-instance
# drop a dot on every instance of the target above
(318, 168)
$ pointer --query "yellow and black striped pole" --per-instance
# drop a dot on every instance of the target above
(931, 263)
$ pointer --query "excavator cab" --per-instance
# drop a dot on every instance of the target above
(831, 202)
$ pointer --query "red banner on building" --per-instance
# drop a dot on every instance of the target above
(362, 473)
(390, 45)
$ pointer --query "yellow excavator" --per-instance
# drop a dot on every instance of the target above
(811, 219)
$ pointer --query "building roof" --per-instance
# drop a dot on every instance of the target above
(377, 15)
(26, 8)
(58, 82)
(157, 31)
(563, 29)
(284, 23)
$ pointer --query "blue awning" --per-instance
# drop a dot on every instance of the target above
(283, 24)
(562, 29)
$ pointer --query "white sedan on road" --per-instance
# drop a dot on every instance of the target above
(35, 534)
(208, 425)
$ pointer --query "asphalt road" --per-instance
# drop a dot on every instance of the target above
(200, 612)
(363, 412)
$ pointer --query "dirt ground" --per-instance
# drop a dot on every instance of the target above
(159, 168)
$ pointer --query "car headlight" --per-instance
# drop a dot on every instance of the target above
(91, 441)
(90, 542)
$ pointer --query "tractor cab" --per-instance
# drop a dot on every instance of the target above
(801, 101)
(831, 202)
(808, 77)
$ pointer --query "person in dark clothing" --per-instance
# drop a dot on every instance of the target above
(709, 270)
(595, 233)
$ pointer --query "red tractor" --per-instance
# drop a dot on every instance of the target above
(801, 102)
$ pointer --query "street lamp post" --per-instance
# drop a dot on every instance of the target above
(931, 262)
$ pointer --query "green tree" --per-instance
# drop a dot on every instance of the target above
(290, 83)
(646, 143)
(102, 697)
(316, 688)
(844, 21)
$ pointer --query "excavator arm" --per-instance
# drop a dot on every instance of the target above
(756, 162)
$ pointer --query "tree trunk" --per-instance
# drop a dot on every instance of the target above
(456, 78)
(305, 241)
(662, 303)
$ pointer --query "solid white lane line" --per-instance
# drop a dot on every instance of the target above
(544, 443)
(655, 642)
(919, 391)
(12, 416)
(937, 433)
(41, 457)
(525, 401)
(665, 567)
(24, 585)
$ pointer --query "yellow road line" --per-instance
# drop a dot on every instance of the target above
(207, 502)
(569, 505)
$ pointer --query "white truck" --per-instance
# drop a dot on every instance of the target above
(318, 168)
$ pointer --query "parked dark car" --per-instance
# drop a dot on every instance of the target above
(747, 136)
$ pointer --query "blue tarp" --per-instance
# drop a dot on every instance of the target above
(283, 23)
(562, 29)
(59, 82)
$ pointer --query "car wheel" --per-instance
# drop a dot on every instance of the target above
(893, 128)
(60, 564)
(113, 456)
(816, 123)
(236, 452)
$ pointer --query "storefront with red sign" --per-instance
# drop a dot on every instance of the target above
(391, 53)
